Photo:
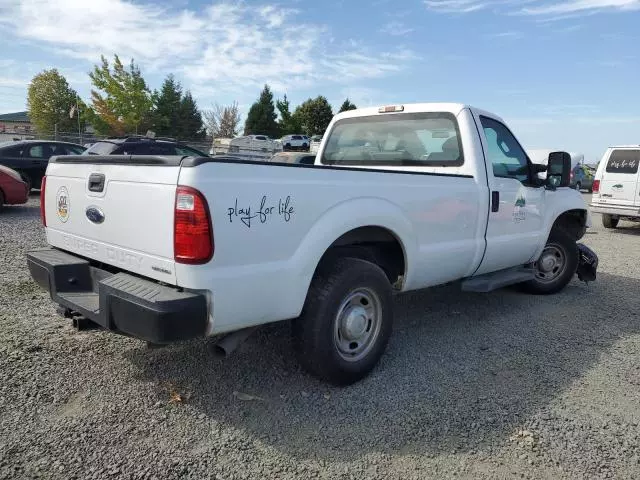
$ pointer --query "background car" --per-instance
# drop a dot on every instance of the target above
(30, 157)
(582, 178)
(132, 145)
(13, 191)
(294, 157)
(295, 142)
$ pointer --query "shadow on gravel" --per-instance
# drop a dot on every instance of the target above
(462, 371)
(627, 228)
(22, 211)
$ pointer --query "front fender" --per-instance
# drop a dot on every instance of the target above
(558, 202)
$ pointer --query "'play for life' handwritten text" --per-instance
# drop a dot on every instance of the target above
(284, 209)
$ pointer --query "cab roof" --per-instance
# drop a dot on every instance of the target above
(453, 108)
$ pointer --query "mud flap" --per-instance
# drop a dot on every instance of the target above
(587, 263)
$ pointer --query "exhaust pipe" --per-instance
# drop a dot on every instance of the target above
(230, 342)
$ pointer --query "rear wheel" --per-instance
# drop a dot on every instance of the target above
(346, 321)
(556, 266)
(1, 200)
(609, 221)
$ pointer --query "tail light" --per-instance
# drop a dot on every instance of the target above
(596, 186)
(192, 234)
(43, 214)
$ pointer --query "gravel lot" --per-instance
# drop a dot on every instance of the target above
(502, 385)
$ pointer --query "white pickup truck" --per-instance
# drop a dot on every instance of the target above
(400, 198)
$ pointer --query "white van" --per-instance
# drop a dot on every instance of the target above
(615, 188)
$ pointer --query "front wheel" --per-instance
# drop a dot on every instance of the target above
(346, 321)
(556, 266)
(609, 221)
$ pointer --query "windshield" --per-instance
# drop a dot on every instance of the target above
(394, 140)
(101, 148)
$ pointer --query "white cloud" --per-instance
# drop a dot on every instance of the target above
(222, 46)
(396, 28)
(550, 8)
(576, 6)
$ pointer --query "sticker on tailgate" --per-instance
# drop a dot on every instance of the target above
(62, 204)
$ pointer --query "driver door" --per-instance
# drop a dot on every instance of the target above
(515, 223)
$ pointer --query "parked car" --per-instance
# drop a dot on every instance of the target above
(138, 145)
(295, 142)
(581, 178)
(30, 157)
(171, 248)
(314, 146)
(615, 186)
(294, 157)
(13, 190)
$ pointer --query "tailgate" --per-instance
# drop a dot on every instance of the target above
(117, 210)
(620, 178)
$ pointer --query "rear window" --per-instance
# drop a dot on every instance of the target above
(422, 139)
(101, 148)
(297, 137)
(623, 161)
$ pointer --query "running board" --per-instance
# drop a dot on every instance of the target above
(495, 280)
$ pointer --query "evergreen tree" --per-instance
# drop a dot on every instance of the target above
(347, 105)
(166, 114)
(261, 118)
(189, 124)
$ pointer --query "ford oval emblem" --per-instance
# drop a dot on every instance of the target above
(95, 215)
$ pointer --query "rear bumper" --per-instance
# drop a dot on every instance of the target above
(617, 210)
(119, 302)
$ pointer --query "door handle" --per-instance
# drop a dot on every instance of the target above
(495, 201)
(96, 182)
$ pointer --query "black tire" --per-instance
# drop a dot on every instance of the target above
(547, 283)
(26, 179)
(609, 221)
(287, 146)
(1, 200)
(316, 334)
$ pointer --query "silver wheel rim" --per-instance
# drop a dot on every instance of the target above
(357, 324)
(551, 264)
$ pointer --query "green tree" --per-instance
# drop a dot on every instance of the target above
(189, 123)
(167, 105)
(314, 115)
(347, 105)
(49, 102)
(288, 123)
(261, 118)
(125, 104)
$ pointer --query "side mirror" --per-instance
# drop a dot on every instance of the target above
(558, 170)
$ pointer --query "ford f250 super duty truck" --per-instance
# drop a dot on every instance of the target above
(400, 198)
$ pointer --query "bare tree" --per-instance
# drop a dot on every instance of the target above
(223, 121)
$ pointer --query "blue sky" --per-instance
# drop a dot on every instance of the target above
(563, 73)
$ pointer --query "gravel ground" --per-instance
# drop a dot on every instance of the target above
(502, 385)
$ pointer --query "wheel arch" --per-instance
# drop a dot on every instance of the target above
(371, 229)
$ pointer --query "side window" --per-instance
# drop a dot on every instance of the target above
(41, 151)
(507, 157)
(162, 149)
